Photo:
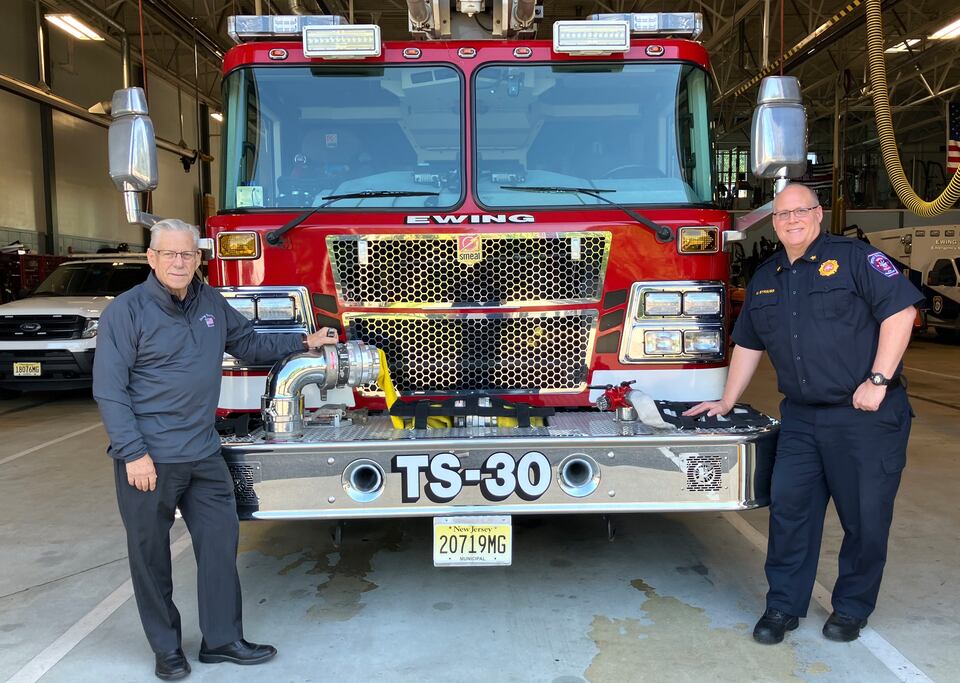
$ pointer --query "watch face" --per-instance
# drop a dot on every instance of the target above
(878, 379)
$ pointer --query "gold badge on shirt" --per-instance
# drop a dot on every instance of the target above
(828, 268)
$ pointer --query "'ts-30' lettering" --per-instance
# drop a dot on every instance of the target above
(499, 477)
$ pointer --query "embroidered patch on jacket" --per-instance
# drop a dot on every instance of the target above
(828, 268)
(764, 291)
(880, 263)
(208, 319)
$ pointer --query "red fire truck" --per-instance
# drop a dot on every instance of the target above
(518, 243)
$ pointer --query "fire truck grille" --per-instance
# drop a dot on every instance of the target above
(503, 353)
(469, 270)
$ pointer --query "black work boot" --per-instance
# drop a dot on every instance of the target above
(237, 652)
(842, 627)
(772, 625)
(172, 665)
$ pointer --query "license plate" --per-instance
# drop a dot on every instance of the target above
(471, 541)
(26, 369)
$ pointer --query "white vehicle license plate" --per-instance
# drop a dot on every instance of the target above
(472, 541)
(26, 369)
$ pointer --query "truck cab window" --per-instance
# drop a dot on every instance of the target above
(943, 274)
(640, 130)
(297, 134)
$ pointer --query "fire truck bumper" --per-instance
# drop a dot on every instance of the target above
(581, 463)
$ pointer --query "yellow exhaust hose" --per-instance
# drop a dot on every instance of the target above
(888, 143)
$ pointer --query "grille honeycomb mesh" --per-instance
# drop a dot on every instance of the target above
(443, 354)
(424, 270)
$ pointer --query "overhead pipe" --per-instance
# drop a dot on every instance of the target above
(188, 25)
(41, 96)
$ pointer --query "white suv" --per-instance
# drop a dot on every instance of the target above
(47, 340)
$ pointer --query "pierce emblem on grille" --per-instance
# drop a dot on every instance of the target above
(469, 249)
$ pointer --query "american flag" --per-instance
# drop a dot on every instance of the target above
(953, 137)
(818, 176)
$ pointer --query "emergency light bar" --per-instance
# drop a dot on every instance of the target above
(264, 27)
(342, 42)
(683, 24)
(591, 37)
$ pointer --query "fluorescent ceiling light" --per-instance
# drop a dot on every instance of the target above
(76, 28)
(216, 116)
(951, 30)
(903, 45)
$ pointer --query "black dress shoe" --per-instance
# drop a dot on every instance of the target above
(843, 628)
(237, 652)
(772, 625)
(172, 665)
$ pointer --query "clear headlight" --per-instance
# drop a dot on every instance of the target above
(661, 342)
(276, 309)
(701, 303)
(661, 303)
(245, 307)
(701, 341)
(90, 328)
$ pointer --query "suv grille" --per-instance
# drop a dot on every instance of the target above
(503, 353)
(436, 270)
(42, 327)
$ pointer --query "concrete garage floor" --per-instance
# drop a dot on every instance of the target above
(673, 598)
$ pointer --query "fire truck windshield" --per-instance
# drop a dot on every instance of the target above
(639, 129)
(294, 134)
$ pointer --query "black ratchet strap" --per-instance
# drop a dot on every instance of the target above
(423, 409)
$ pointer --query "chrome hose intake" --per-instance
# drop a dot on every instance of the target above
(329, 367)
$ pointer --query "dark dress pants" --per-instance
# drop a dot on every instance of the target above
(203, 490)
(854, 457)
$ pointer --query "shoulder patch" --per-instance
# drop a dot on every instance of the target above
(882, 264)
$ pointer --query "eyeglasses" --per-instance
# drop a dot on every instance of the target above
(799, 213)
(169, 255)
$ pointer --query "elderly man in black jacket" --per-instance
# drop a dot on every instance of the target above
(156, 378)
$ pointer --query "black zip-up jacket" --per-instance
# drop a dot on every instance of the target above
(156, 373)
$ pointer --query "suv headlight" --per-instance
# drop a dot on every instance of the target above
(90, 328)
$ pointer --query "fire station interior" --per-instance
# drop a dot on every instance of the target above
(656, 596)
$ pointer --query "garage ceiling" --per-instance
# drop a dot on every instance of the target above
(924, 75)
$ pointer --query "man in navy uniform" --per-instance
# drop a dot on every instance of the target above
(156, 379)
(835, 317)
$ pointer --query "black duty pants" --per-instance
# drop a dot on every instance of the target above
(854, 457)
(203, 490)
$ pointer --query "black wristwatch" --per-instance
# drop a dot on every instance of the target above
(878, 379)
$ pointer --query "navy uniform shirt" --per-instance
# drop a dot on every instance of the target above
(819, 317)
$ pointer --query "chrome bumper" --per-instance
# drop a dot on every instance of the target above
(638, 469)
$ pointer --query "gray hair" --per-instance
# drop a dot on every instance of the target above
(173, 225)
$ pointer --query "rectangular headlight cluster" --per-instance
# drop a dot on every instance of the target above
(674, 321)
(266, 310)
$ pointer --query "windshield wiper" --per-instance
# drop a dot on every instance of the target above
(274, 236)
(662, 232)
